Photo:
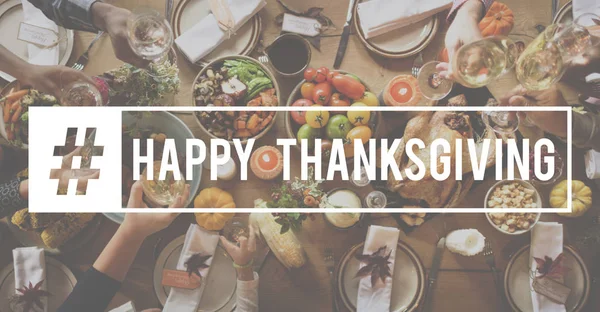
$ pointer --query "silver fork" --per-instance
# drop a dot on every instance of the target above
(330, 264)
(84, 58)
(417, 64)
(488, 253)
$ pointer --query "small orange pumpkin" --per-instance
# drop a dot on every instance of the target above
(213, 197)
(499, 20)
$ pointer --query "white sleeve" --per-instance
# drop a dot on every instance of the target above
(247, 295)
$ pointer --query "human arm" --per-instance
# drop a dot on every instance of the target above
(247, 284)
(103, 280)
(71, 14)
(14, 196)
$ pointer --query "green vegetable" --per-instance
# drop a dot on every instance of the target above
(245, 70)
(25, 117)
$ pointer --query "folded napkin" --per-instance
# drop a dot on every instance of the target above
(585, 6)
(546, 240)
(199, 241)
(39, 55)
(378, 298)
(30, 267)
(206, 35)
(592, 164)
(378, 17)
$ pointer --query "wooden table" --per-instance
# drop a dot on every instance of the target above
(464, 284)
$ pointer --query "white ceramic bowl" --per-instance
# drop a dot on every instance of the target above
(526, 184)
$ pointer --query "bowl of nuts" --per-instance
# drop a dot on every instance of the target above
(513, 194)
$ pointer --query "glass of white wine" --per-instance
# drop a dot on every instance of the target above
(502, 122)
(150, 35)
(546, 58)
(474, 65)
(162, 192)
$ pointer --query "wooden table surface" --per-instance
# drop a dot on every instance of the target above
(464, 284)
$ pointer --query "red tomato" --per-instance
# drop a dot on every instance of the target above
(307, 90)
(309, 74)
(339, 100)
(322, 93)
(348, 86)
(401, 92)
(331, 75)
(321, 74)
(299, 117)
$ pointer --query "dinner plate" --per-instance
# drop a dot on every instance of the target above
(189, 12)
(60, 282)
(219, 294)
(33, 238)
(408, 282)
(11, 16)
(402, 42)
(517, 288)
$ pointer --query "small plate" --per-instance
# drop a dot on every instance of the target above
(60, 283)
(219, 295)
(32, 238)
(189, 12)
(400, 43)
(516, 280)
(11, 16)
(408, 283)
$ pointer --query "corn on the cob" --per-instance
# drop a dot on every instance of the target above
(286, 247)
(66, 228)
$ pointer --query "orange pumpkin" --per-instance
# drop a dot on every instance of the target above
(213, 197)
(498, 20)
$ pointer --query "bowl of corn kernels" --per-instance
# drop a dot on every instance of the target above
(513, 194)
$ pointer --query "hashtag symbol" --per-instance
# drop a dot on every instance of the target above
(71, 166)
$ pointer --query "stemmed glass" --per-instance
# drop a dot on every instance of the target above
(81, 93)
(474, 65)
(149, 34)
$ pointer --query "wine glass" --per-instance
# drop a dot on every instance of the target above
(502, 122)
(376, 199)
(149, 34)
(89, 149)
(162, 192)
(81, 93)
(474, 65)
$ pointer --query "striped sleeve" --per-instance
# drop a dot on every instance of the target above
(458, 3)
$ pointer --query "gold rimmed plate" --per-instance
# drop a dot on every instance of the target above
(400, 43)
(220, 292)
(517, 286)
(11, 16)
(408, 281)
(189, 12)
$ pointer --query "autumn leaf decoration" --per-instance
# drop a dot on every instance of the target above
(549, 267)
(196, 263)
(376, 265)
(29, 298)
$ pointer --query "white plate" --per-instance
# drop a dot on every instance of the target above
(190, 12)
(408, 281)
(516, 280)
(402, 42)
(11, 16)
(219, 294)
(60, 282)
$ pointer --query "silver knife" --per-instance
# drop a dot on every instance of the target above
(344, 39)
(433, 273)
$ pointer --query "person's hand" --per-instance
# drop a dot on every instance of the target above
(66, 173)
(463, 30)
(244, 253)
(582, 66)
(113, 20)
(145, 224)
(550, 121)
(51, 79)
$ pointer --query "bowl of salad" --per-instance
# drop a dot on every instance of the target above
(235, 81)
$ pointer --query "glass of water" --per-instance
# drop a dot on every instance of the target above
(150, 35)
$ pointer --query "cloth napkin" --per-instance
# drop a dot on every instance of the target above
(30, 267)
(378, 17)
(206, 35)
(39, 55)
(546, 240)
(199, 241)
(378, 298)
(592, 164)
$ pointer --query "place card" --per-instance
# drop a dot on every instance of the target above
(301, 25)
(180, 279)
(551, 289)
(37, 35)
